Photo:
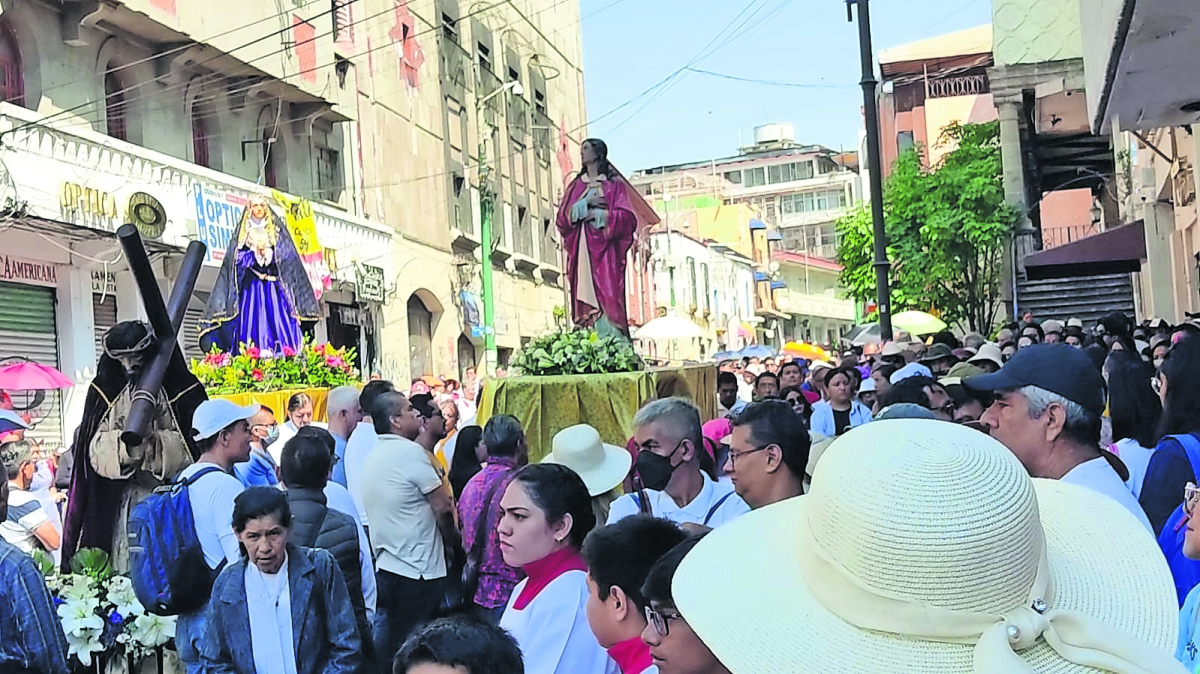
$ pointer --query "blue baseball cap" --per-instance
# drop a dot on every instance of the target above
(1057, 368)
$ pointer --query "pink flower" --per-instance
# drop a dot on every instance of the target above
(288, 352)
(257, 374)
(226, 359)
(253, 352)
(320, 348)
(334, 361)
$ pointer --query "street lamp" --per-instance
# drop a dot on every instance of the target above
(485, 228)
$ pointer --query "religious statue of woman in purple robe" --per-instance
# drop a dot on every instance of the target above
(262, 292)
(599, 217)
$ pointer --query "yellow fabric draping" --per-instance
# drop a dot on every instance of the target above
(607, 402)
(278, 400)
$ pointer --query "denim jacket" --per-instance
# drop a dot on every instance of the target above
(822, 417)
(324, 631)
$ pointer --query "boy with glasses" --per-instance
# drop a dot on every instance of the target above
(1187, 651)
(674, 647)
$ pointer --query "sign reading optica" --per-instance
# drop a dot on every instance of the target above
(217, 215)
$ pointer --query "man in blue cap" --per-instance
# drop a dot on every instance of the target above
(1048, 402)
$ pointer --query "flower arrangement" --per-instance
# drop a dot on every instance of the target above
(577, 352)
(257, 370)
(100, 613)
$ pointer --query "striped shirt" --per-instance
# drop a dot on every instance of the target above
(25, 515)
(31, 638)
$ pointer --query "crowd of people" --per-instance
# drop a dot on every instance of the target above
(939, 505)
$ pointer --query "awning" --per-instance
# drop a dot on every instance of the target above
(1121, 249)
(756, 224)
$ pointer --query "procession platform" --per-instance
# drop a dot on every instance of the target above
(607, 402)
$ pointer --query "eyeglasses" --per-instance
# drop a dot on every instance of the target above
(733, 457)
(1190, 494)
(661, 620)
(948, 408)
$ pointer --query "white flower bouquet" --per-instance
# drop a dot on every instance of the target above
(100, 613)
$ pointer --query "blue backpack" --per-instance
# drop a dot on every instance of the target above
(1186, 572)
(166, 562)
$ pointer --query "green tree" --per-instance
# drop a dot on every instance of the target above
(946, 228)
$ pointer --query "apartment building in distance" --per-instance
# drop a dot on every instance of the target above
(775, 196)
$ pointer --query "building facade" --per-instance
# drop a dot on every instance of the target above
(173, 115)
(1143, 91)
(710, 284)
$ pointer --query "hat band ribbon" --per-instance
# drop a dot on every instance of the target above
(1074, 636)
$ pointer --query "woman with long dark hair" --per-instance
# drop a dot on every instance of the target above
(546, 514)
(468, 458)
(1170, 469)
(1135, 412)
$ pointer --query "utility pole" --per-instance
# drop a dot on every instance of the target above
(487, 132)
(874, 162)
(486, 206)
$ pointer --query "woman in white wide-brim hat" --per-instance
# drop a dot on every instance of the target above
(924, 547)
(602, 466)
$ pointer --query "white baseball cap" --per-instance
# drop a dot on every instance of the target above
(213, 415)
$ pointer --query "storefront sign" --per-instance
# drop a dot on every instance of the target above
(352, 315)
(104, 283)
(217, 215)
(147, 214)
(28, 271)
(298, 214)
(370, 283)
(88, 205)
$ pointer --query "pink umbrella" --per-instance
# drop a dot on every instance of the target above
(30, 376)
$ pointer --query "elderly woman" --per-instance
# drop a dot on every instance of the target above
(281, 608)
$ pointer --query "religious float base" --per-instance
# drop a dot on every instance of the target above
(608, 402)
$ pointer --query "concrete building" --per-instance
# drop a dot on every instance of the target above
(809, 293)
(174, 114)
(797, 190)
(1143, 88)
(705, 282)
(461, 88)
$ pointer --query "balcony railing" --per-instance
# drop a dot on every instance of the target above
(968, 85)
(1053, 237)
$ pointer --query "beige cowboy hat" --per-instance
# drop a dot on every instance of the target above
(925, 548)
(989, 352)
(602, 466)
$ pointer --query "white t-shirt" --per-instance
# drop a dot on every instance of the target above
(212, 498)
(287, 431)
(25, 515)
(552, 630)
(1137, 459)
(1099, 475)
(358, 448)
(731, 505)
(397, 476)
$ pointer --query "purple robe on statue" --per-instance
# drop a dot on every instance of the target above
(266, 312)
(598, 282)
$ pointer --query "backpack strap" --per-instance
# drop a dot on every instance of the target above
(713, 510)
(1192, 446)
(187, 482)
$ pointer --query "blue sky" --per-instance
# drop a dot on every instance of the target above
(630, 45)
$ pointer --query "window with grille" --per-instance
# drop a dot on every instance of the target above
(343, 24)
(200, 135)
(115, 106)
(328, 174)
(12, 82)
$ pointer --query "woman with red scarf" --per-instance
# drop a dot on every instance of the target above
(546, 512)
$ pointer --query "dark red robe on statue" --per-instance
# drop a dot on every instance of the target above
(607, 249)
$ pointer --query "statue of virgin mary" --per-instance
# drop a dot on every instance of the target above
(262, 292)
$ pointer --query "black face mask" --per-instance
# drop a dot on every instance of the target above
(654, 470)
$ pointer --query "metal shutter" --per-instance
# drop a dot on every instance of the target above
(189, 341)
(104, 316)
(28, 330)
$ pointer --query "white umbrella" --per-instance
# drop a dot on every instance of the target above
(669, 327)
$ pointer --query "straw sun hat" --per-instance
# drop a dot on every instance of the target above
(920, 550)
(602, 466)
